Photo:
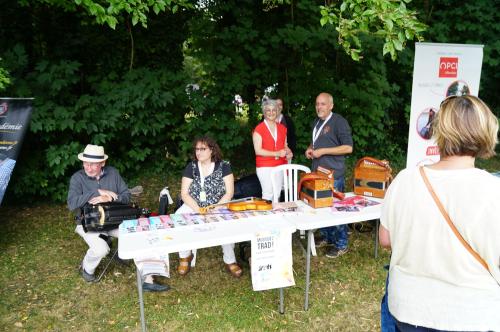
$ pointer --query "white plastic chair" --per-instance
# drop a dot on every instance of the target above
(290, 173)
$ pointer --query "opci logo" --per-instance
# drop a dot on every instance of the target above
(432, 151)
(448, 67)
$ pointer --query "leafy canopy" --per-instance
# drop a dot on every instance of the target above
(387, 19)
(107, 12)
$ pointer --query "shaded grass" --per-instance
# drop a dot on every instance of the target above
(41, 289)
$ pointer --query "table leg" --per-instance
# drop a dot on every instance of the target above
(310, 234)
(377, 225)
(282, 300)
(301, 245)
(141, 301)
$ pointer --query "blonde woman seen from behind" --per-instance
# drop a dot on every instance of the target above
(435, 283)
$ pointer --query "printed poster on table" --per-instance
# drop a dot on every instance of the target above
(272, 260)
(15, 114)
(440, 71)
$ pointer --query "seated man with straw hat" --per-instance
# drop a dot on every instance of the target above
(97, 183)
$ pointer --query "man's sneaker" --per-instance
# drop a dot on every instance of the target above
(333, 252)
(87, 276)
(154, 287)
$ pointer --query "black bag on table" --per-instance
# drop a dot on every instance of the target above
(247, 186)
(108, 216)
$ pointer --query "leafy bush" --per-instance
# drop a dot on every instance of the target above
(145, 94)
(128, 115)
(140, 117)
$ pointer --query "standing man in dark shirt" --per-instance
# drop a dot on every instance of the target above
(97, 183)
(288, 123)
(331, 141)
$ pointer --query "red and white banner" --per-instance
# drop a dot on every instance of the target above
(440, 70)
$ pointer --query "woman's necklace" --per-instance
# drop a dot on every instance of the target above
(273, 130)
(205, 169)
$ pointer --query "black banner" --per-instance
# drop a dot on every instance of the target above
(15, 115)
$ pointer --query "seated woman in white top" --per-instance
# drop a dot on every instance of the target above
(435, 283)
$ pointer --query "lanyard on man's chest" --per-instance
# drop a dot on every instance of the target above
(316, 131)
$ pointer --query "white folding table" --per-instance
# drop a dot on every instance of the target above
(165, 241)
(311, 219)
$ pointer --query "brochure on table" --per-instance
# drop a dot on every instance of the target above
(189, 219)
(273, 254)
(353, 204)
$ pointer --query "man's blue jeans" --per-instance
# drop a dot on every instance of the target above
(336, 235)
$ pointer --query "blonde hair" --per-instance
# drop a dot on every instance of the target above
(465, 126)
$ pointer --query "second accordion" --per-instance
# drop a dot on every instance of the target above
(372, 177)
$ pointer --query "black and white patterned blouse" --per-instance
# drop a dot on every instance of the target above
(214, 184)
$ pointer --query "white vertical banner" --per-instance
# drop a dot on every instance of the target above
(440, 71)
(272, 260)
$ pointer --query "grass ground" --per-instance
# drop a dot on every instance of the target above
(41, 290)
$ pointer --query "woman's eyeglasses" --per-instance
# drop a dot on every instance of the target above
(200, 149)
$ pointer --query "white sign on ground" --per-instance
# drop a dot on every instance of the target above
(272, 260)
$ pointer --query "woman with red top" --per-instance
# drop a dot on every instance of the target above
(271, 150)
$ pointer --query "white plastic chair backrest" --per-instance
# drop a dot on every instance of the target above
(290, 173)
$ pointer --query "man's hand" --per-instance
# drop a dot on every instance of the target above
(109, 193)
(309, 153)
(100, 199)
(316, 153)
(289, 153)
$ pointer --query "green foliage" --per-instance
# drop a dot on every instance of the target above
(110, 11)
(386, 19)
(304, 59)
(188, 66)
(85, 93)
(207, 116)
(4, 78)
(127, 114)
(140, 116)
(364, 104)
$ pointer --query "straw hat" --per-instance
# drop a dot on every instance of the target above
(93, 154)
